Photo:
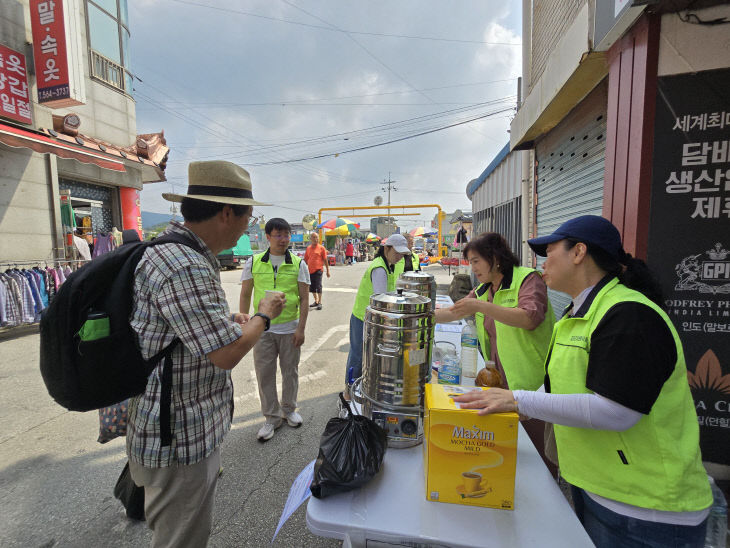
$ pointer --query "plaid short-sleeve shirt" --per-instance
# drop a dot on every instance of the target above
(178, 294)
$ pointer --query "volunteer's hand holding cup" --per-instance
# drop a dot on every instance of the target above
(273, 303)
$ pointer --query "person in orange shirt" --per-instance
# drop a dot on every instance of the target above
(316, 258)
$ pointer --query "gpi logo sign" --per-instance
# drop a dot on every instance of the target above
(715, 271)
(707, 272)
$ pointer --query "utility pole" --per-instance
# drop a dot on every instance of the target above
(390, 184)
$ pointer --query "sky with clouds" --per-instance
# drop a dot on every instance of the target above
(322, 101)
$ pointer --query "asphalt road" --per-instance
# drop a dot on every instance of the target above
(56, 481)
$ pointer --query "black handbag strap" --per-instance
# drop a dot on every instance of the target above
(165, 389)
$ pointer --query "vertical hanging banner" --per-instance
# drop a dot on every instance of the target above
(53, 52)
(14, 92)
(689, 238)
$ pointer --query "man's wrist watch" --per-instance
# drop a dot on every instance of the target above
(266, 319)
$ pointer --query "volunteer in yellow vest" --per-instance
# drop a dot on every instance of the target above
(410, 262)
(616, 389)
(514, 318)
(378, 278)
(278, 270)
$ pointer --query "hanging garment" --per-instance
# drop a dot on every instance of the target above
(12, 302)
(82, 247)
(67, 271)
(68, 219)
(116, 237)
(35, 293)
(54, 282)
(103, 244)
(61, 277)
(3, 301)
(27, 293)
(42, 278)
(18, 285)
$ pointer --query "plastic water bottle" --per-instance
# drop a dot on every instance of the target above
(469, 350)
(717, 520)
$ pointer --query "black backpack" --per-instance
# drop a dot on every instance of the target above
(82, 375)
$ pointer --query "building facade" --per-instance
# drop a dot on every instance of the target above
(627, 113)
(68, 129)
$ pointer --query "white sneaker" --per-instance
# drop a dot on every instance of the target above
(266, 432)
(294, 419)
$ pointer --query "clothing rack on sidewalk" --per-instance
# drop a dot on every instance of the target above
(28, 287)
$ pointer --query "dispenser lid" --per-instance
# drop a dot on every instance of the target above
(416, 276)
(400, 302)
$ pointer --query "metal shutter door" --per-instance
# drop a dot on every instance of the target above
(570, 180)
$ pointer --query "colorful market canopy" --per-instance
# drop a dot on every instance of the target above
(421, 231)
(338, 222)
(343, 230)
(372, 238)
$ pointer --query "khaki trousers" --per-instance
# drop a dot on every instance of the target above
(178, 501)
(270, 347)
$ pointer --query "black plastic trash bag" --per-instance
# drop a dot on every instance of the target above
(351, 452)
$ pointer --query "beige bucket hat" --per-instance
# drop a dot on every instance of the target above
(217, 181)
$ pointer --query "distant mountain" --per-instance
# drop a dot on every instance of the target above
(150, 219)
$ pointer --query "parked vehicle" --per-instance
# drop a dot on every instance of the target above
(233, 257)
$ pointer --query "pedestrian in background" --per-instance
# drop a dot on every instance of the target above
(178, 295)
(616, 390)
(278, 269)
(349, 252)
(316, 258)
(410, 262)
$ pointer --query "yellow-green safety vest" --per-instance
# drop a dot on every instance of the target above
(362, 299)
(654, 464)
(400, 266)
(284, 279)
(522, 352)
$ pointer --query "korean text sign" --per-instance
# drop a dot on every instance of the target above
(689, 238)
(49, 50)
(14, 92)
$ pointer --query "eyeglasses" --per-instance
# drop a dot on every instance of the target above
(280, 236)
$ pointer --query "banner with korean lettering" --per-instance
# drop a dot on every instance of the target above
(689, 238)
(14, 93)
(49, 50)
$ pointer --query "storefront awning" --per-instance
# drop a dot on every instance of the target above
(20, 138)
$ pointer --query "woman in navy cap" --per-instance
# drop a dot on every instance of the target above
(616, 389)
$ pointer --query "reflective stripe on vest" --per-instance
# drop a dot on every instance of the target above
(654, 464)
(286, 279)
(522, 352)
(362, 300)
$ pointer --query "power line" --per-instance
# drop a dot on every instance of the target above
(379, 144)
(379, 131)
(334, 29)
(372, 55)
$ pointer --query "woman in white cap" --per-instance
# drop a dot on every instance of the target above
(616, 390)
(378, 278)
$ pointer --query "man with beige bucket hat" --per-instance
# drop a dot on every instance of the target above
(178, 300)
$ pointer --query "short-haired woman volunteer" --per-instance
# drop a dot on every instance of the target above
(616, 389)
(378, 278)
(514, 319)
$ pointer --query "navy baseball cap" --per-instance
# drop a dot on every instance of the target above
(590, 229)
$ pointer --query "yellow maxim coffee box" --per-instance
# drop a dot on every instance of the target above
(468, 459)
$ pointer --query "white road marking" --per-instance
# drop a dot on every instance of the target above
(302, 380)
(339, 290)
(319, 342)
(304, 357)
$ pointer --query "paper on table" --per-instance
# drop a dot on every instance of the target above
(298, 493)
(449, 327)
